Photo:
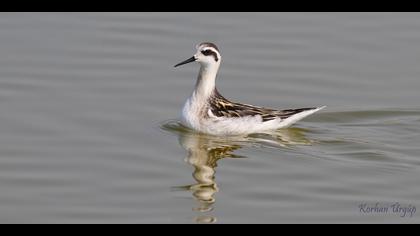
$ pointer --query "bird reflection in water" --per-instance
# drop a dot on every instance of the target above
(205, 151)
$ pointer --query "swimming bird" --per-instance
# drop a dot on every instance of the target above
(207, 111)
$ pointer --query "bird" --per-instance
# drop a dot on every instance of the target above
(207, 111)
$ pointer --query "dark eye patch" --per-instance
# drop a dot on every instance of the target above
(206, 52)
(210, 52)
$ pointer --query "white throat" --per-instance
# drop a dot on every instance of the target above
(206, 81)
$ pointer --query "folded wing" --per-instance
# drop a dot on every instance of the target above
(221, 107)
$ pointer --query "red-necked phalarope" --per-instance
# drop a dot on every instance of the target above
(207, 111)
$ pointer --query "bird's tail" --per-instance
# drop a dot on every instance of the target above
(299, 114)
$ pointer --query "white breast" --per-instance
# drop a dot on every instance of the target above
(192, 113)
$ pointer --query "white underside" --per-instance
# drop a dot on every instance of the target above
(234, 126)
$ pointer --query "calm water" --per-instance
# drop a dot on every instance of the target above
(90, 102)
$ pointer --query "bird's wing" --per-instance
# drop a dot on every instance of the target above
(221, 107)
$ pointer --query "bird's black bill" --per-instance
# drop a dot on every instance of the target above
(186, 61)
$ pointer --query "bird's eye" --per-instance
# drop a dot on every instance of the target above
(206, 52)
(209, 52)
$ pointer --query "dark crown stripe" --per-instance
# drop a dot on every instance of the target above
(212, 45)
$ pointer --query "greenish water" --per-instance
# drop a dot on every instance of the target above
(90, 133)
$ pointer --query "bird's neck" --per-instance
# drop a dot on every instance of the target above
(206, 81)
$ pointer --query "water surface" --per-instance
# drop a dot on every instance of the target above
(89, 129)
